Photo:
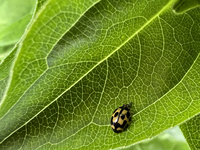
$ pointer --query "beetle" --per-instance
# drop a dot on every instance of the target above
(121, 118)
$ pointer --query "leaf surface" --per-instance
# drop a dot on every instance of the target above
(171, 139)
(81, 60)
(191, 132)
(181, 6)
(13, 22)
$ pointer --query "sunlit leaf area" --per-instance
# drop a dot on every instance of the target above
(66, 66)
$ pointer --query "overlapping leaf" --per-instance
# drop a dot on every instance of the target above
(191, 132)
(82, 59)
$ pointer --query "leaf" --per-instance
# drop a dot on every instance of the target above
(40, 4)
(9, 17)
(6, 64)
(5, 50)
(4, 76)
(13, 23)
(184, 5)
(10, 35)
(191, 132)
(80, 60)
(168, 140)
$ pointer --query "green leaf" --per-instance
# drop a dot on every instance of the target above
(11, 35)
(5, 50)
(12, 11)
(81, 60)
(184, 5)
(40, 4)
(13, 23)
(6, 64)
(5, 70)
(172, 139)
(191, 131)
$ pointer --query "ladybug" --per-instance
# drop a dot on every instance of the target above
(121, 118)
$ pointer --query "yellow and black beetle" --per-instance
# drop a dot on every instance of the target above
(121, 118)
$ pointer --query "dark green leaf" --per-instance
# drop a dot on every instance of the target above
(184, 5)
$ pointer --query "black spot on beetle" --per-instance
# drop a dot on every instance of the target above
(122, 116)
(116, 114)
(124, 123)
(128, 114)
